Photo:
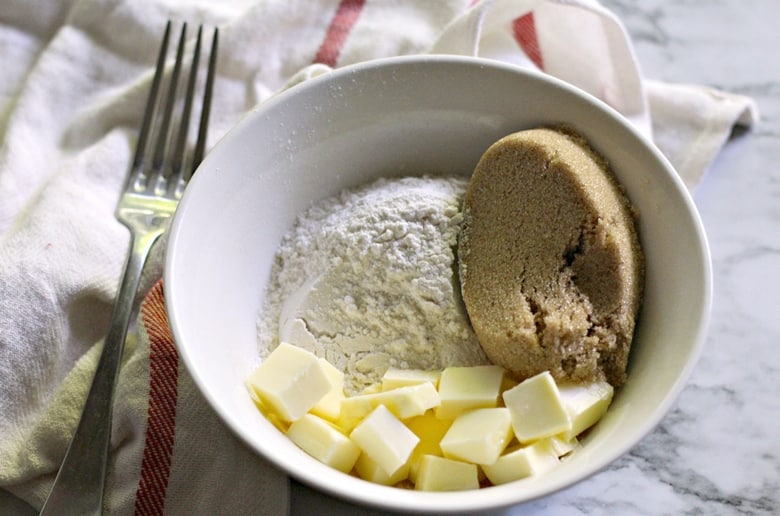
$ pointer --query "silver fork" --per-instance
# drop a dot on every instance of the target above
(151, 194)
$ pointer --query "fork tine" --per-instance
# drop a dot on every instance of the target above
(162, 136)
(137, 168)
(204, 115)
(178, 155)
(167, 175)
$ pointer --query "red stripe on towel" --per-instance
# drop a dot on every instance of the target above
(161, 417)
(346, 15)
(524, 32)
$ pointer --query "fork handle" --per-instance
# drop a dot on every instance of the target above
(78, 487)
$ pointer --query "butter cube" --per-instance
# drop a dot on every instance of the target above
(403, 402)
(466, 388)
(506, 384)
(324, 442)
(521, 462)
(329, 406)
(563, 446)
(478, 436)
(430, 430)
(585, 404)
(395, 378)
(385, 439)
(536, 408)
(368, 469)
(290, 381)
(442, 474)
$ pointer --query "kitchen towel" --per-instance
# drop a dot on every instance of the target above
(75, 77)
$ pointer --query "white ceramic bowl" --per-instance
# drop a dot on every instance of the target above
(406, 116)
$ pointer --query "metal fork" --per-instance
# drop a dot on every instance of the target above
(149, 200)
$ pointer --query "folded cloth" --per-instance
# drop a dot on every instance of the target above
(72, 91)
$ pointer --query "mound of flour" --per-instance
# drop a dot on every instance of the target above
(367, 279)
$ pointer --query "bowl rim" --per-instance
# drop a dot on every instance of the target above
(451, 502)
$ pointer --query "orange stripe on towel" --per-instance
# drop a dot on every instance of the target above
(161, 417)
(524, 32)
(341, 25)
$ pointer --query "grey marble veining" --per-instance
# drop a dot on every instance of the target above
(716, 452)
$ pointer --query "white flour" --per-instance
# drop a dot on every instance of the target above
(367, 280)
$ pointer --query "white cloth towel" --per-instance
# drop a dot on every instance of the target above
(75, 76)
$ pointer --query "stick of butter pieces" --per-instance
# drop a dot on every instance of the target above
(290, 381)
(454, 429)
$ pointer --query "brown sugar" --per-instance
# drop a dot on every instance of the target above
(550, 264)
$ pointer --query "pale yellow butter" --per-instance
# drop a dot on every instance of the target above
(269, 414)
(403, 402)
(430, 430)
(443, 439)
(329, 406)
(395, 378)
(521, 462)
(442, 474)
(506, 384)
(385, 439)
(478, 436)
(536, 408)
(290, 381)
(585, 404)
(563, 445)
(466, 388)
(368, 469)
(324, 442)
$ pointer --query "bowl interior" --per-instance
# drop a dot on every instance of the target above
(409, 116)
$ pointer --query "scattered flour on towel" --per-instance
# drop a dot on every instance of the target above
(367, 279)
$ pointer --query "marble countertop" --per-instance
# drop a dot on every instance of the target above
(716, 452)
